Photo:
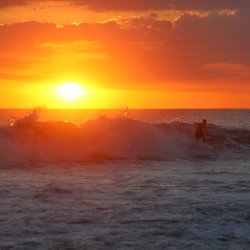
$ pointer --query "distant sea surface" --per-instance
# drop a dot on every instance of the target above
(224, 117)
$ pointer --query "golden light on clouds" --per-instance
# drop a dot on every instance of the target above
(132, 53)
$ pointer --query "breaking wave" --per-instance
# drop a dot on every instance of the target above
(28, 140)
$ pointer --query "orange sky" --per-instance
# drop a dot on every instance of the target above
(136, 53)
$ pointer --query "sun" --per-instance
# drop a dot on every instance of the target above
(70, 91)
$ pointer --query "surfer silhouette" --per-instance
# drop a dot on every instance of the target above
(201, 128)
(126, 113)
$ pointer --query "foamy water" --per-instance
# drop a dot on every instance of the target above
(114, 182)
(126, 205)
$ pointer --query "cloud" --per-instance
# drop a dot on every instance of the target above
(230, 68)
(135, 5)
(143, 5)
(213, 48)
(9, 3)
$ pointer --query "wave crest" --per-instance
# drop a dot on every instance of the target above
(28, 140)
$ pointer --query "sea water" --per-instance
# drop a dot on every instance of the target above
(114, 179)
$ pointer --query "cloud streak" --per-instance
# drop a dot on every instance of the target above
(142, 5)
(213, 48)
(10, 3)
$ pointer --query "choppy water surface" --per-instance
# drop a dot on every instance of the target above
(122, 182)
(126, 205)
(239, 118)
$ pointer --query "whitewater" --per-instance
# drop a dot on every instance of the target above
(137, 181)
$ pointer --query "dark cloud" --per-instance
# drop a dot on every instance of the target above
(133, 5)
(20, 37)
(9, 3)
(213, 48)
(141, 5)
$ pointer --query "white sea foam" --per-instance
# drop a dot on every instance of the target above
(179, 204)
(27, 140)
(108, 183)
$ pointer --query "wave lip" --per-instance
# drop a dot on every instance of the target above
(28, 140)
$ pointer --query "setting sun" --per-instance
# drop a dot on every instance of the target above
(70, 91)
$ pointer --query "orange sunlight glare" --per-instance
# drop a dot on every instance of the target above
(70, 91)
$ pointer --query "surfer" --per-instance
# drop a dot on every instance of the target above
(126, 113)
(201, 128)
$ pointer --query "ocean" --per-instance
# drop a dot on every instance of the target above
(124, 179)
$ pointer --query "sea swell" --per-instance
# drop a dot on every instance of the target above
(28, 140)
